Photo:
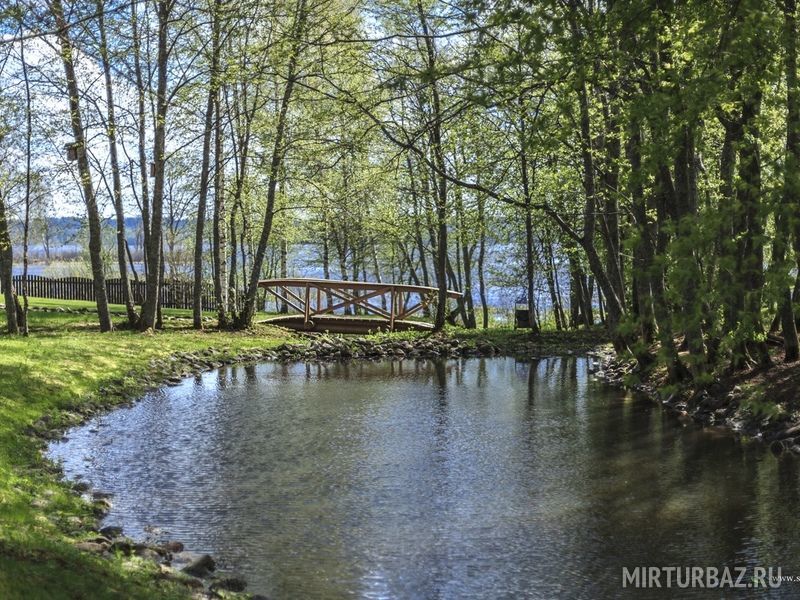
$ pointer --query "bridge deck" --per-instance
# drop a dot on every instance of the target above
(345, 324)
(317, 300)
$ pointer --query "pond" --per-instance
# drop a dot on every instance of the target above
(468, 478)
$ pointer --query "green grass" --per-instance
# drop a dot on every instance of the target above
(54, 374)
(58, 372)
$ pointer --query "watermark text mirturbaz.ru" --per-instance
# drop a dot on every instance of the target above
(704, 577)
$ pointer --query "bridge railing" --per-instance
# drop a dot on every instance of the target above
(320, 297)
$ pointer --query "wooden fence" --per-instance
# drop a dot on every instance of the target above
(174, 293)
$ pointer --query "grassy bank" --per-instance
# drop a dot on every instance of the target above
(50, 379)
(65, 370)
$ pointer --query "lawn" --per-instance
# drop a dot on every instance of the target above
(48, 378)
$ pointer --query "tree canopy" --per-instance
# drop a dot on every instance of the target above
(630, 163)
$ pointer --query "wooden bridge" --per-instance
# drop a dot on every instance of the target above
(316, 302)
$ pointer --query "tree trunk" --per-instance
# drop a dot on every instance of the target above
(791, 183)
(154, 243)
(441, 188)
(423, 261)
(205, 168)
(326, 262)
(23, 325)
(466, 263)
(559, 297)
(6, 271)
(610, 189)
(284, 309)
(245, 318)
(482, 259)
(141, 131)
(550, 275)
(751, 229)
(526, 191)
(93, 214)
(116, 176)
(643, 249)
(614, 306)
(218, 225)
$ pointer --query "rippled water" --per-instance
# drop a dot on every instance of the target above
(454, 479)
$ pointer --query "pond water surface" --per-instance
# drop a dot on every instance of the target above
(477, 478)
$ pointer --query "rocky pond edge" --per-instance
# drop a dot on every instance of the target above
(717, 405)
(198, 571)
(712, 406)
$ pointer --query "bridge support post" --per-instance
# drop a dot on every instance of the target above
(307, 312)
(392, 302)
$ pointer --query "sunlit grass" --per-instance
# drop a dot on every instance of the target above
(56, 370)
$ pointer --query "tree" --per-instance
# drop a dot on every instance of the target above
(205, 169)
(245, 317)
(80, 149)
(116, 174)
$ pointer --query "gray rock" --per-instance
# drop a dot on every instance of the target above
(111, 531)
(92, 547)
(102, 506)
(102, 540)
(148, 553)
(123, 545)
(228, 584)
(167, 572)
(794, 430)
(172, 547)
(200, 566)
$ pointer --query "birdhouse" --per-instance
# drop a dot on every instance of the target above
(72, 152)
(152, 169)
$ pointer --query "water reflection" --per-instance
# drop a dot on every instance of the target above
(446, 479)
